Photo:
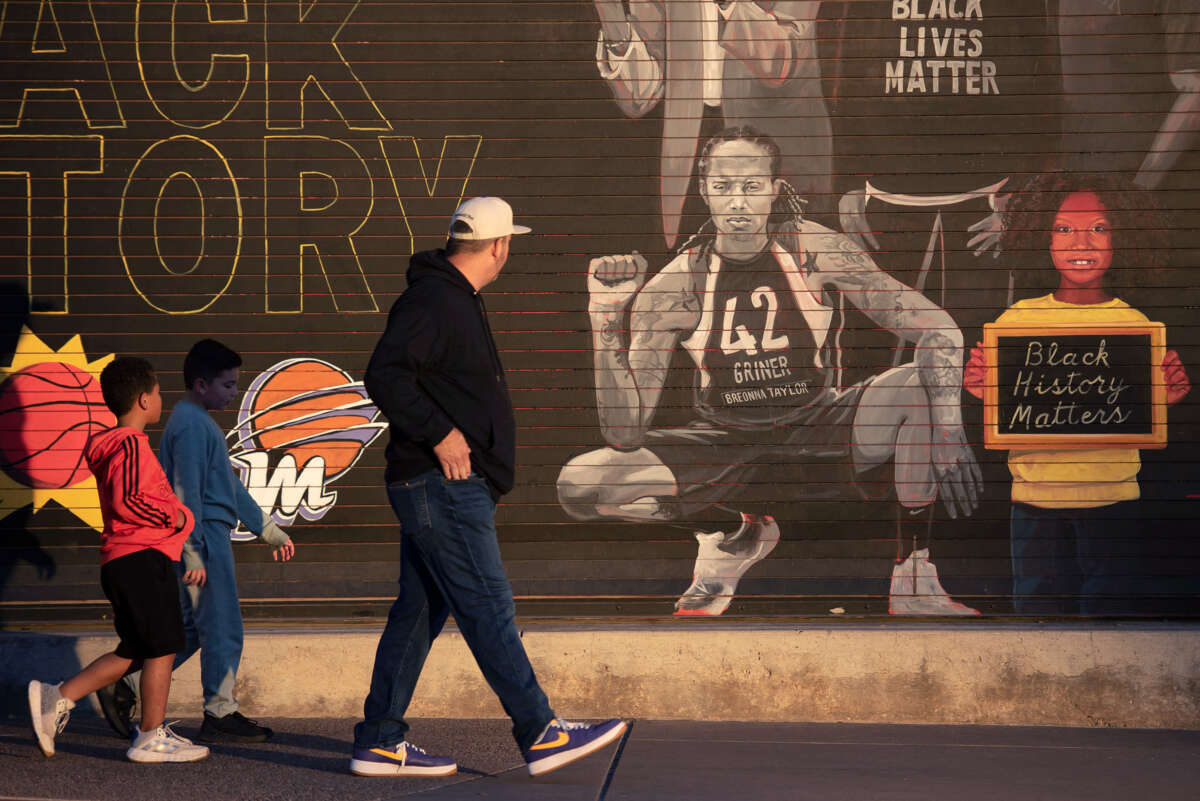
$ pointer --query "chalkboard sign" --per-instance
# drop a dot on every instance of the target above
(1074, 386)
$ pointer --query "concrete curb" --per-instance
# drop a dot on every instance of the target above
(1125, 675)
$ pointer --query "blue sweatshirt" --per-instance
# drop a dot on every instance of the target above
(193, 454)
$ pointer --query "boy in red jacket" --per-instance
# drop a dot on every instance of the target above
(145, 526)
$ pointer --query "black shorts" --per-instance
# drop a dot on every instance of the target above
(144, 592)
(812, 456)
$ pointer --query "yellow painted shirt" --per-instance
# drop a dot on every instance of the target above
(1073, 479)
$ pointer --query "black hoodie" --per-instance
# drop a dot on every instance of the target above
(435, 368)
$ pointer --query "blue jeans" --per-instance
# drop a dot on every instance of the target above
(449, 564)
(1077, 561)
(212, 621)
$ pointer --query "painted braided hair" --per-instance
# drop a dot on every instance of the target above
(787, 212)
(1140, 229)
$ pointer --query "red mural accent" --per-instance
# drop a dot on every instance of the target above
(47, 413)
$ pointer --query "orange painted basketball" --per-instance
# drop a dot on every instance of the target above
(47, 413)
(307, 408)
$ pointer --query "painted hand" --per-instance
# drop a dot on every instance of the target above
(613, 21)
(852, 214)
(975, 372)
(959, 479)
(613, 281)
(990, 229)
(1175, 377)
(455, 455)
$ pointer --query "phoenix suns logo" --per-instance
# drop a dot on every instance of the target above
(302, 424)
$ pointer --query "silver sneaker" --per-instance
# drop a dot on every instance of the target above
(48, 714)
(164, 745)
(721, 562)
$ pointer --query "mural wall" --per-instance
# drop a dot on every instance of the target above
(833, 307)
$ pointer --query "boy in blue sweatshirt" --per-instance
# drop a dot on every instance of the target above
(195, 459)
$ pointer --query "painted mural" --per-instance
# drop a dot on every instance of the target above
(758, 308)
(302, 424)
(749, 63)
(752, 345)
(50, 404)
(313, 422)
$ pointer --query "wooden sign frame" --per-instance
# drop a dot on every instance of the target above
(995, 440)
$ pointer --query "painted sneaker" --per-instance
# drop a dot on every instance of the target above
(564, 742)
(48, 714)
(117, 702)
(916, 590)
(163, 745)
(721, 562)
(402, 759)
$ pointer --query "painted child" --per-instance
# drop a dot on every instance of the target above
(1073, 509)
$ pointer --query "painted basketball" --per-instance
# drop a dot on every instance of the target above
(308, 407)
(47, 413)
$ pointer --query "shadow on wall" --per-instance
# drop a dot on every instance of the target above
(18, 543)
(29, 655)
(24, 656)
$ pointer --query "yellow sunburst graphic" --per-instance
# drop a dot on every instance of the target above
(49, 404)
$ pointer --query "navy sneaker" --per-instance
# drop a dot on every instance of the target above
(233, 728)
(402, 759)
(563, 742)
(117, 702)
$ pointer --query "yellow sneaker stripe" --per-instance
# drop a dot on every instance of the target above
(562, 739)
(389, 754)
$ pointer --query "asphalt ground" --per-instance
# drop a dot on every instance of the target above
(656, 761)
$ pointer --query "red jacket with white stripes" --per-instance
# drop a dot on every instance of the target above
(136, 500)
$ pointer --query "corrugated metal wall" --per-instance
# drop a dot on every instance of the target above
(260, 172)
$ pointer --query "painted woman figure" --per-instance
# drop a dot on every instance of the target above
(756, 300)
(1073, 509)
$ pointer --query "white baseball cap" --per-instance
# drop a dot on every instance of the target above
(484, 218)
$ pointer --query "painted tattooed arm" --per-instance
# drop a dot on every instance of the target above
(632, 349)
(904, 311)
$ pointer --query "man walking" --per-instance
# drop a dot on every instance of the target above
(436, 375)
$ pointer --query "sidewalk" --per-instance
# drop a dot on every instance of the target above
(1123, 675)
(658, 761)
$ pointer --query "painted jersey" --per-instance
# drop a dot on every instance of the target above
(764, 349)
(940, 96)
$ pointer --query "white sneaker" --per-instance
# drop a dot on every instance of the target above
(164, 745)
(48, 714)
(722, 560)
(916, 589)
